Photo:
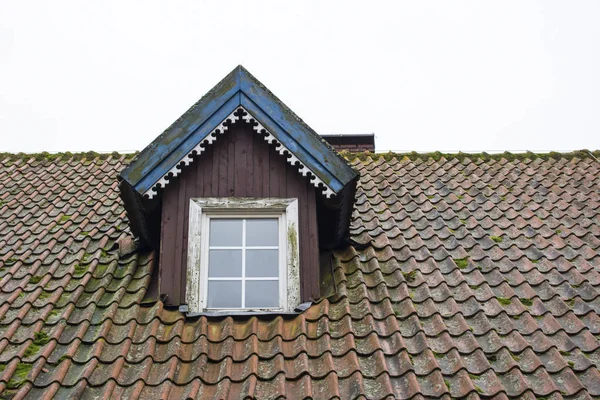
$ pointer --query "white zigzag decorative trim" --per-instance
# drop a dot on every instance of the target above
(222, 128)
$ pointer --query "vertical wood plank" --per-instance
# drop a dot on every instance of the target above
(198, 181)
(241, 140)
(205, 166)
(168, 241)
(311, 239)
(274, 172)
(266, 154)
(179, 244)
(221, 153)
(258, 161)
(231, 161)
(250, 165)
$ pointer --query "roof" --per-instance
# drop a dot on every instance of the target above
(468, 276)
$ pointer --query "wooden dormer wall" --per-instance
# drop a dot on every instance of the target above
(240, 163)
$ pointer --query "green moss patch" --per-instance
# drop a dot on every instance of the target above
(80, 269)
(35, 279)
(503, 300)
(40, 339)
(63, 358)
(526, 302)
(497, 239)
(44, 295)
(461, 263)
(19, 377)
(447, 383)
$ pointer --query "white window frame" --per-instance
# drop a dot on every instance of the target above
(203, 209)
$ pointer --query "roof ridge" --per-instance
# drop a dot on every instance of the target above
(437, 155)
(44, 155)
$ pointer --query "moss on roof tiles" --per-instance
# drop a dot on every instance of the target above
(43, 156)
(19, 377)
(436, 156)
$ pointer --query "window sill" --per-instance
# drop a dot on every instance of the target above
(232, 313)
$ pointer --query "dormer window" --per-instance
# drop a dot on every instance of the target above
(242, 201)
(243, 254)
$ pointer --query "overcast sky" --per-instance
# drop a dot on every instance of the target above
(460, 75)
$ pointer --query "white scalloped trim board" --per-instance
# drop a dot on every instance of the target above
(221, 129)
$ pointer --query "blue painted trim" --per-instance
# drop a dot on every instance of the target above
(295, 127)
(178, 132)
(187, 145)
(305, 155)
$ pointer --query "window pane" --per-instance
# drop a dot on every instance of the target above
(224, 294)
(225, 263)
(262, 263)
(262, 232)
(262, 294)
(225, 232)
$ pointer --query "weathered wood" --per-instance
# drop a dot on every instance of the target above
(241, 165)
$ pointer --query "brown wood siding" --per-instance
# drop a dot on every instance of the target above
(239, 164)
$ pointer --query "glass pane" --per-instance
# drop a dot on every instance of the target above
(225, 263)
(224, 294)
(262, 232)
(262, 294)
(262, 263)
(225, 232)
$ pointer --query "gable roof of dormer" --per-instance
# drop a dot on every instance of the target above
(238, 96)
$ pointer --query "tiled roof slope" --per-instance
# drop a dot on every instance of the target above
(467, 278)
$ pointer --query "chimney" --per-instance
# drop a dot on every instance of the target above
(353, 143)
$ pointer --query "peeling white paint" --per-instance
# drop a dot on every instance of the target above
(221, 129)
(194, 257)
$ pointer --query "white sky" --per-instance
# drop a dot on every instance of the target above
(460, 75)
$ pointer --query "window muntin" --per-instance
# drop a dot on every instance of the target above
(243, 262)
